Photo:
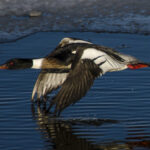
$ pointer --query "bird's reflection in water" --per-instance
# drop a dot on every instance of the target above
(60, 134)
(138, 136)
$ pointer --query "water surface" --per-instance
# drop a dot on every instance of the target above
(115, 113)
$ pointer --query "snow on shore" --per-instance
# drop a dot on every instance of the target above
(22, 17)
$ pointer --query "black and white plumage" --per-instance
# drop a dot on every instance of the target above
(73, 66)
(49, 80)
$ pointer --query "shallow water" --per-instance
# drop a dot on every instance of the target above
(115, 113)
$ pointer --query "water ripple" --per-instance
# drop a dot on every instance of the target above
(114, 114)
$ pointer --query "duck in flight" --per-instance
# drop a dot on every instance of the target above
(73, 66)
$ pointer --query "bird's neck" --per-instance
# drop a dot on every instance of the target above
(51, 63)
(37, 63)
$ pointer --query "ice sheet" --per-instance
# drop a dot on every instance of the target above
(22, 17)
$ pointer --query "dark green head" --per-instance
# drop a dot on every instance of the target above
(17, 64)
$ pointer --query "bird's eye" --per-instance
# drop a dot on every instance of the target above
(11, 63)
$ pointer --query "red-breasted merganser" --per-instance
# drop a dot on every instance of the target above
(73, 65)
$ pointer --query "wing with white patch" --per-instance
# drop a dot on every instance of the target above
(106, 62)
(62, 47)
(78, 82)
(47, 82)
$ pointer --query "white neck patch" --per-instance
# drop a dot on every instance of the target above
(37, 63)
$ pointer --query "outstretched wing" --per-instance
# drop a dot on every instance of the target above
(78, 82)
(47, 82)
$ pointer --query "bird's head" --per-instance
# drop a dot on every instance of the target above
(17, 64)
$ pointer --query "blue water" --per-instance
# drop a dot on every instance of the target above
(115, 113)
